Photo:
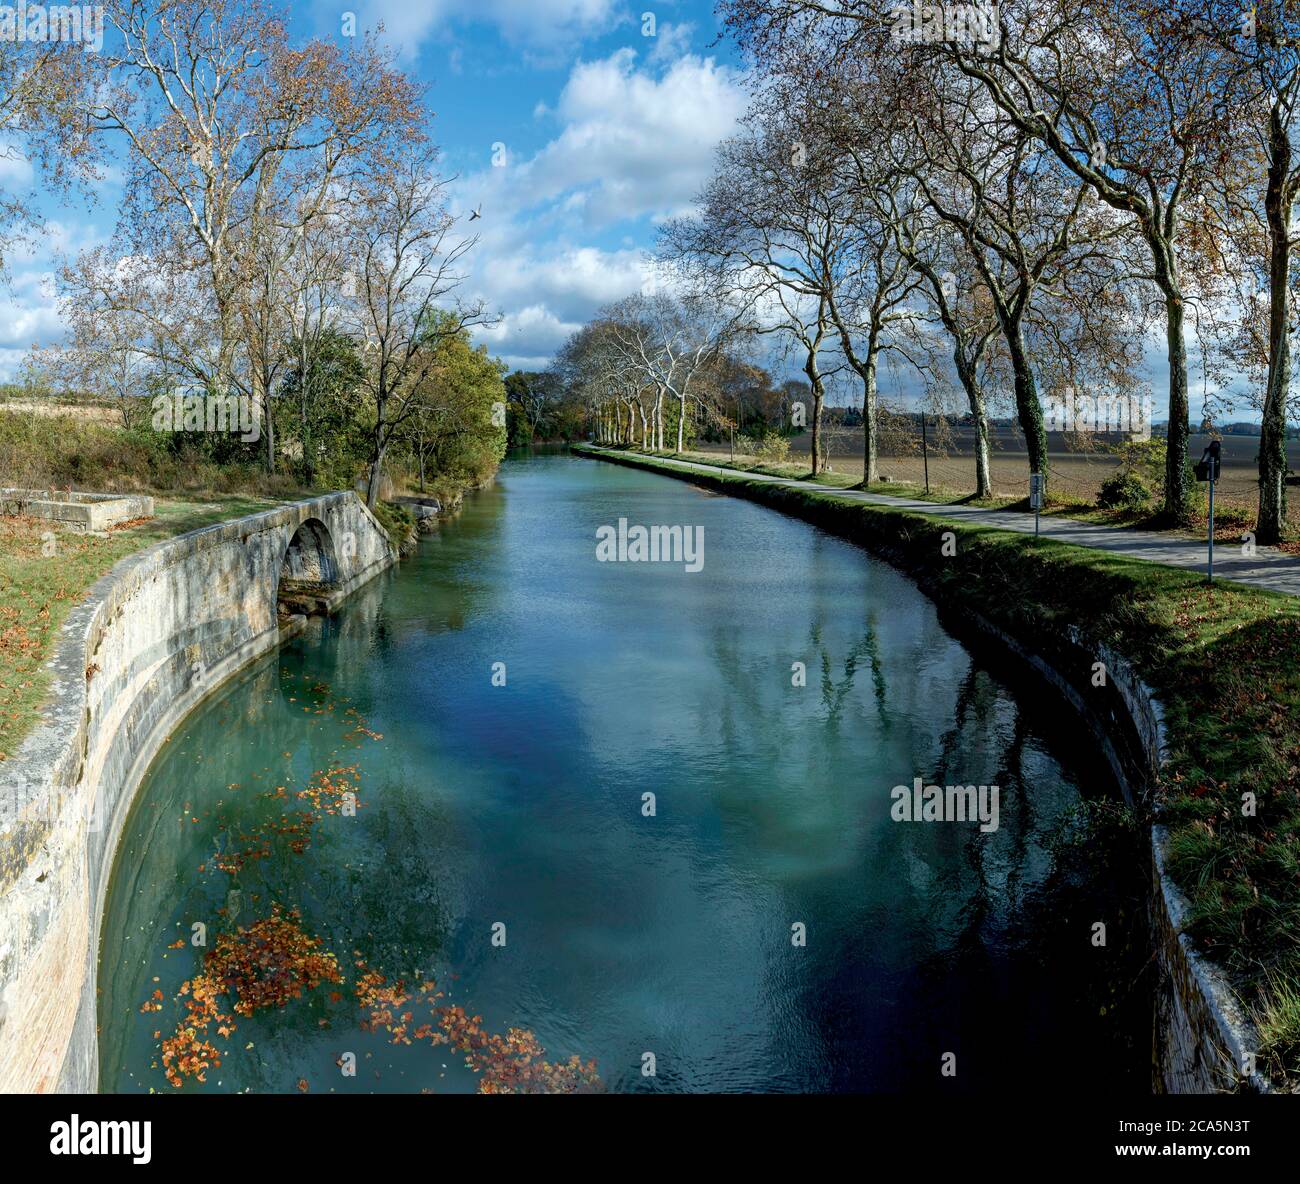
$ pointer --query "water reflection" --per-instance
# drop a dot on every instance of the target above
(522, 805)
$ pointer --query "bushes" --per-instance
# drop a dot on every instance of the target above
(396, 519)
(40, 451)
(1142, 472)
(769, 447)
(1124, 490)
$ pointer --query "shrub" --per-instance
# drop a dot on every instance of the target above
(768, 446)
(1124, 490)
(396, 519)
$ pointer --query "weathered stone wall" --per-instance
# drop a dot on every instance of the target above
(1200, 1034)
(153, 637)
(78, 512)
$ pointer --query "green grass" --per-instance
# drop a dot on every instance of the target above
(37, 591)
(396, 519)
(1223, 659)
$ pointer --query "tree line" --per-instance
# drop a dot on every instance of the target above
(1011, 203)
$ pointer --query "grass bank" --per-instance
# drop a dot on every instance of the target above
(1223, 659)
(43, 574)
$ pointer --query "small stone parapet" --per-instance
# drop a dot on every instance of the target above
(82, 513)
(161, 631)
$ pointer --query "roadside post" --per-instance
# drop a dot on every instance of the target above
(1207, 469)
(1036, 497)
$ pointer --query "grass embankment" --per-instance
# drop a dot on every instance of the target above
(1224, 660)
(1229, 520)
(90, 452)
(44, 573)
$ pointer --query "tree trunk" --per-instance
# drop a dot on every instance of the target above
(1177, 507)
(1028, 409)
(1270, 523)
(372, 485)
(983, 478)
(681, 423)
(979, 413)
(818, 394)
(270, 430)
(1177, 493)
(870, 442)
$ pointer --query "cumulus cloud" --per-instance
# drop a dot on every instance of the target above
(28, 313)
(29, 310)
(634, 145)
(671, 41)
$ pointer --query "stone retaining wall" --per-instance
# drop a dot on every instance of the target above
(78, 512)
(162, 630)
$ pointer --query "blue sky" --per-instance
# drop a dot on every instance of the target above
(606, 132)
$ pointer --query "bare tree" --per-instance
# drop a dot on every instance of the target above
(768, 239)
(44, 88)
(211, 100)
(1134, 99)
(668, 344)
(405, 259)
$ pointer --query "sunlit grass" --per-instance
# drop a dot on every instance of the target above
(38, 590)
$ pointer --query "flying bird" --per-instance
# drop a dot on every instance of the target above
(477, 212)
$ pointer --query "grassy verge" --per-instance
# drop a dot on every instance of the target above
(43, 574)
(1225, 662)
(1229, 520)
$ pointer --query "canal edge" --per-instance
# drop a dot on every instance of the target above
(153, 638)
(1202, 1034)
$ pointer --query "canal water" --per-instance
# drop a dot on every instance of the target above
(501, 711)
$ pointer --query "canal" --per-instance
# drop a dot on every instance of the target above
(590, 802)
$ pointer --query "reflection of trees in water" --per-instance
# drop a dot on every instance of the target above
(999, 861)
(833, 696)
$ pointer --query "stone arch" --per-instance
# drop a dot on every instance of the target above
(309, 569)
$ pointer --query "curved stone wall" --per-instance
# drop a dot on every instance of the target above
(153, 637)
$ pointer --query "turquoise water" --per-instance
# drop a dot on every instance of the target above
(522, 804)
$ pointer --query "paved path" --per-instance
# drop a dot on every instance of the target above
(1267, 568)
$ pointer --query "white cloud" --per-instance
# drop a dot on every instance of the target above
(634, 145)
(15, 168)
(29, 316)
(29, 310)
(671, 41)
(538, 27)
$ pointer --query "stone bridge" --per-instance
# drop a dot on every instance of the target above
(163, 629)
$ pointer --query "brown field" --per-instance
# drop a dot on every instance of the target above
(1074, 474)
